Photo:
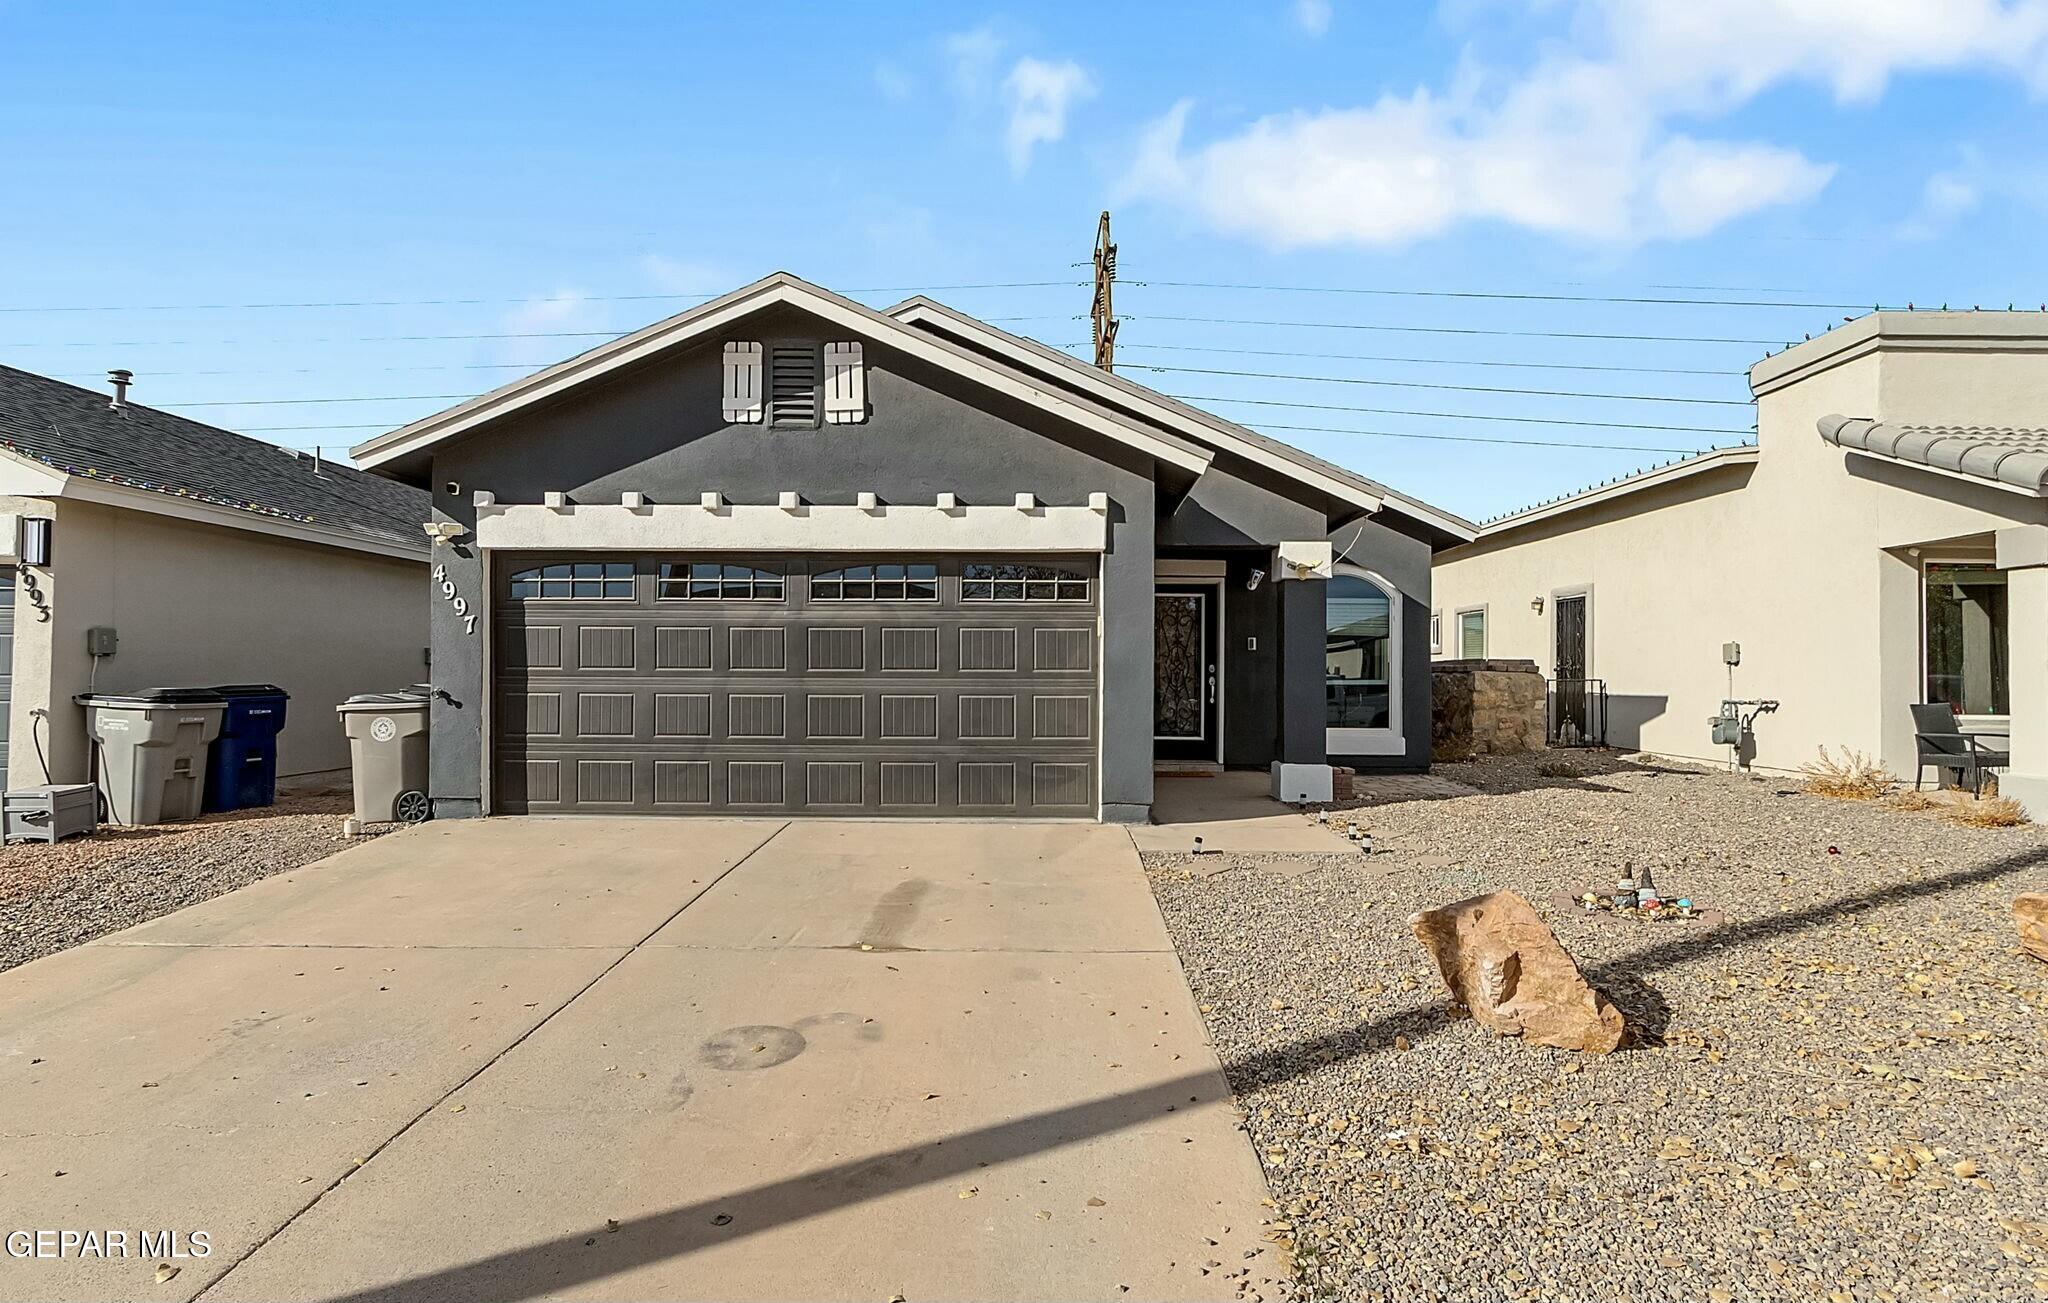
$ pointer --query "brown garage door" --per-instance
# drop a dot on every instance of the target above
(800, 684)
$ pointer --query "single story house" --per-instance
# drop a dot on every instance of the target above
(215, 559)
(783, 553)
(1883, 544)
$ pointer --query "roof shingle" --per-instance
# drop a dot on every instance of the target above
(76, 431)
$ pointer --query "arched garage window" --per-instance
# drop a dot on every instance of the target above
(1361, 665)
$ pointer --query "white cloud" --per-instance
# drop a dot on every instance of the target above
(1579, 144)
(971, 60)
(1311, 16)
(1038, 95)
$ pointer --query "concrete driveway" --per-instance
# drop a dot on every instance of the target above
(579, 1058)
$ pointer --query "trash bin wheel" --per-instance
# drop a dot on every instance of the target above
(412, 807)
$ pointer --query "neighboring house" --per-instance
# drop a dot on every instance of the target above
(784, 553)
(214, 557)
(1882, 544)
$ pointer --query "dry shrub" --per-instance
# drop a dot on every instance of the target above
(1855, 777)
(1913, 801)
(1559, 769)
(1986, 812)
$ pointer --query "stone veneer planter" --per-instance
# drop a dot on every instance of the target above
(1485, 708)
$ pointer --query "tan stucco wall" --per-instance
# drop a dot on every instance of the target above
(1801, 558)
(201, 605)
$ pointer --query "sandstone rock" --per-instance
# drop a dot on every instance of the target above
(1502, 963)
(2031, 912)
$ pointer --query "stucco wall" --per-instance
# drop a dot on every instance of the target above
(1803, 559)
(197, 605)
(659, 431)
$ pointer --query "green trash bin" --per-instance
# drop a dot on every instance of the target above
(387, 748)
(150, 750)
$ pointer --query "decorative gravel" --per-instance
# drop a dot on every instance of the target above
(55, 897)
(1842, 1093)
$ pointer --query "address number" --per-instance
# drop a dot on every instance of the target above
(461, 604)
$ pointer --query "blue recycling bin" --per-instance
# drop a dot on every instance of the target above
(241, 772)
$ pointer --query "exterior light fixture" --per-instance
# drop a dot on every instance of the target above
(1253, 580)
(1536, 605)
(35, 540)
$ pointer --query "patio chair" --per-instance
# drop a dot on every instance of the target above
(1943, 745)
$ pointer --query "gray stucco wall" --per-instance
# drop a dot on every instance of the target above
(659, 431)
(1404, 563)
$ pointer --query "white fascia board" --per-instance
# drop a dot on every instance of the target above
(1623, 488)
(1981, 481)
(1202, 425)
(719, 313)
(770, 527)
(24, 478)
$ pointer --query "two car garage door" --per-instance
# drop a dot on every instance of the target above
(915, 687)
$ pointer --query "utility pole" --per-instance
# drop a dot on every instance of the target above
(1103, 310)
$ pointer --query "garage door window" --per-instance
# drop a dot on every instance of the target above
(887, 582)
(580, 580)
(709, 581)
(985, 582)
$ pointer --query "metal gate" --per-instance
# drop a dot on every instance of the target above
(798, 684)
(1578, 705)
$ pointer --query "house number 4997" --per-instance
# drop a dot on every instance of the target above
(461, 604)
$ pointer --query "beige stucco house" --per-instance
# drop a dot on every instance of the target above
(214, 557)
(1884, 543)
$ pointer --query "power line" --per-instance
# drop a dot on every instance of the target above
(390, 339)
(492, 302)
(1464, 416)
(1422, 384)
(1429, 361)
(1474, 438)
(1510, 297)
(1461, 330)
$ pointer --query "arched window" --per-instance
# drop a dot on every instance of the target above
(1014, 582)
(584, 580)
(889, 581)
(1362, 665)
(711, 581)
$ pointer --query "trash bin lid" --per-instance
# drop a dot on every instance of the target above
(250, 690)
(166, 697)
(384, 700)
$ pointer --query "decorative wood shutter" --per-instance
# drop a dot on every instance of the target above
(743, 382)
(846, 389)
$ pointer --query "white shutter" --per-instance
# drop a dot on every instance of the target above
(846, 388)
(743, 382)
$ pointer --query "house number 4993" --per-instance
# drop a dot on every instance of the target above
(461, 604)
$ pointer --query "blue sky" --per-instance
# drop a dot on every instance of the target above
(560, 163)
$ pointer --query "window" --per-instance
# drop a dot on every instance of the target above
(1004, 582)
(710, 581)
(1967, 656)
(1436, 633)
(610, 581)
(1357, 654)
(889, 582)
(1472, 635)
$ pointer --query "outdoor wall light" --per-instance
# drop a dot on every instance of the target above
(1536, 605)
(35, 540)
(1253, 580)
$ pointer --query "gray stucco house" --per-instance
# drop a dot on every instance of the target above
(783, 553)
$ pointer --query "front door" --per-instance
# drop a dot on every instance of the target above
(1187, 674)
(1572, 725)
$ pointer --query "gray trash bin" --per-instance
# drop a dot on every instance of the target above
(387, 747)
(151, 749)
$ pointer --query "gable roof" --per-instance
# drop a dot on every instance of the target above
(780, 288)
(1204, 427)
(161, 462)
(2012, 458)
(1625, 486)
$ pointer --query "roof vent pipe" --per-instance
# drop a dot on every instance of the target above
(120, 380)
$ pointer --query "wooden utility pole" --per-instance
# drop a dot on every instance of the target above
(1104, 311)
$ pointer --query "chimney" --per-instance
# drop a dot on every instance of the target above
(120, 380)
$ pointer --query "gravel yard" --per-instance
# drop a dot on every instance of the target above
(54, 897)
(1841, 1093)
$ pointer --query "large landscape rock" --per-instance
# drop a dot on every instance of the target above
(1502, 963)
(2031, 912)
